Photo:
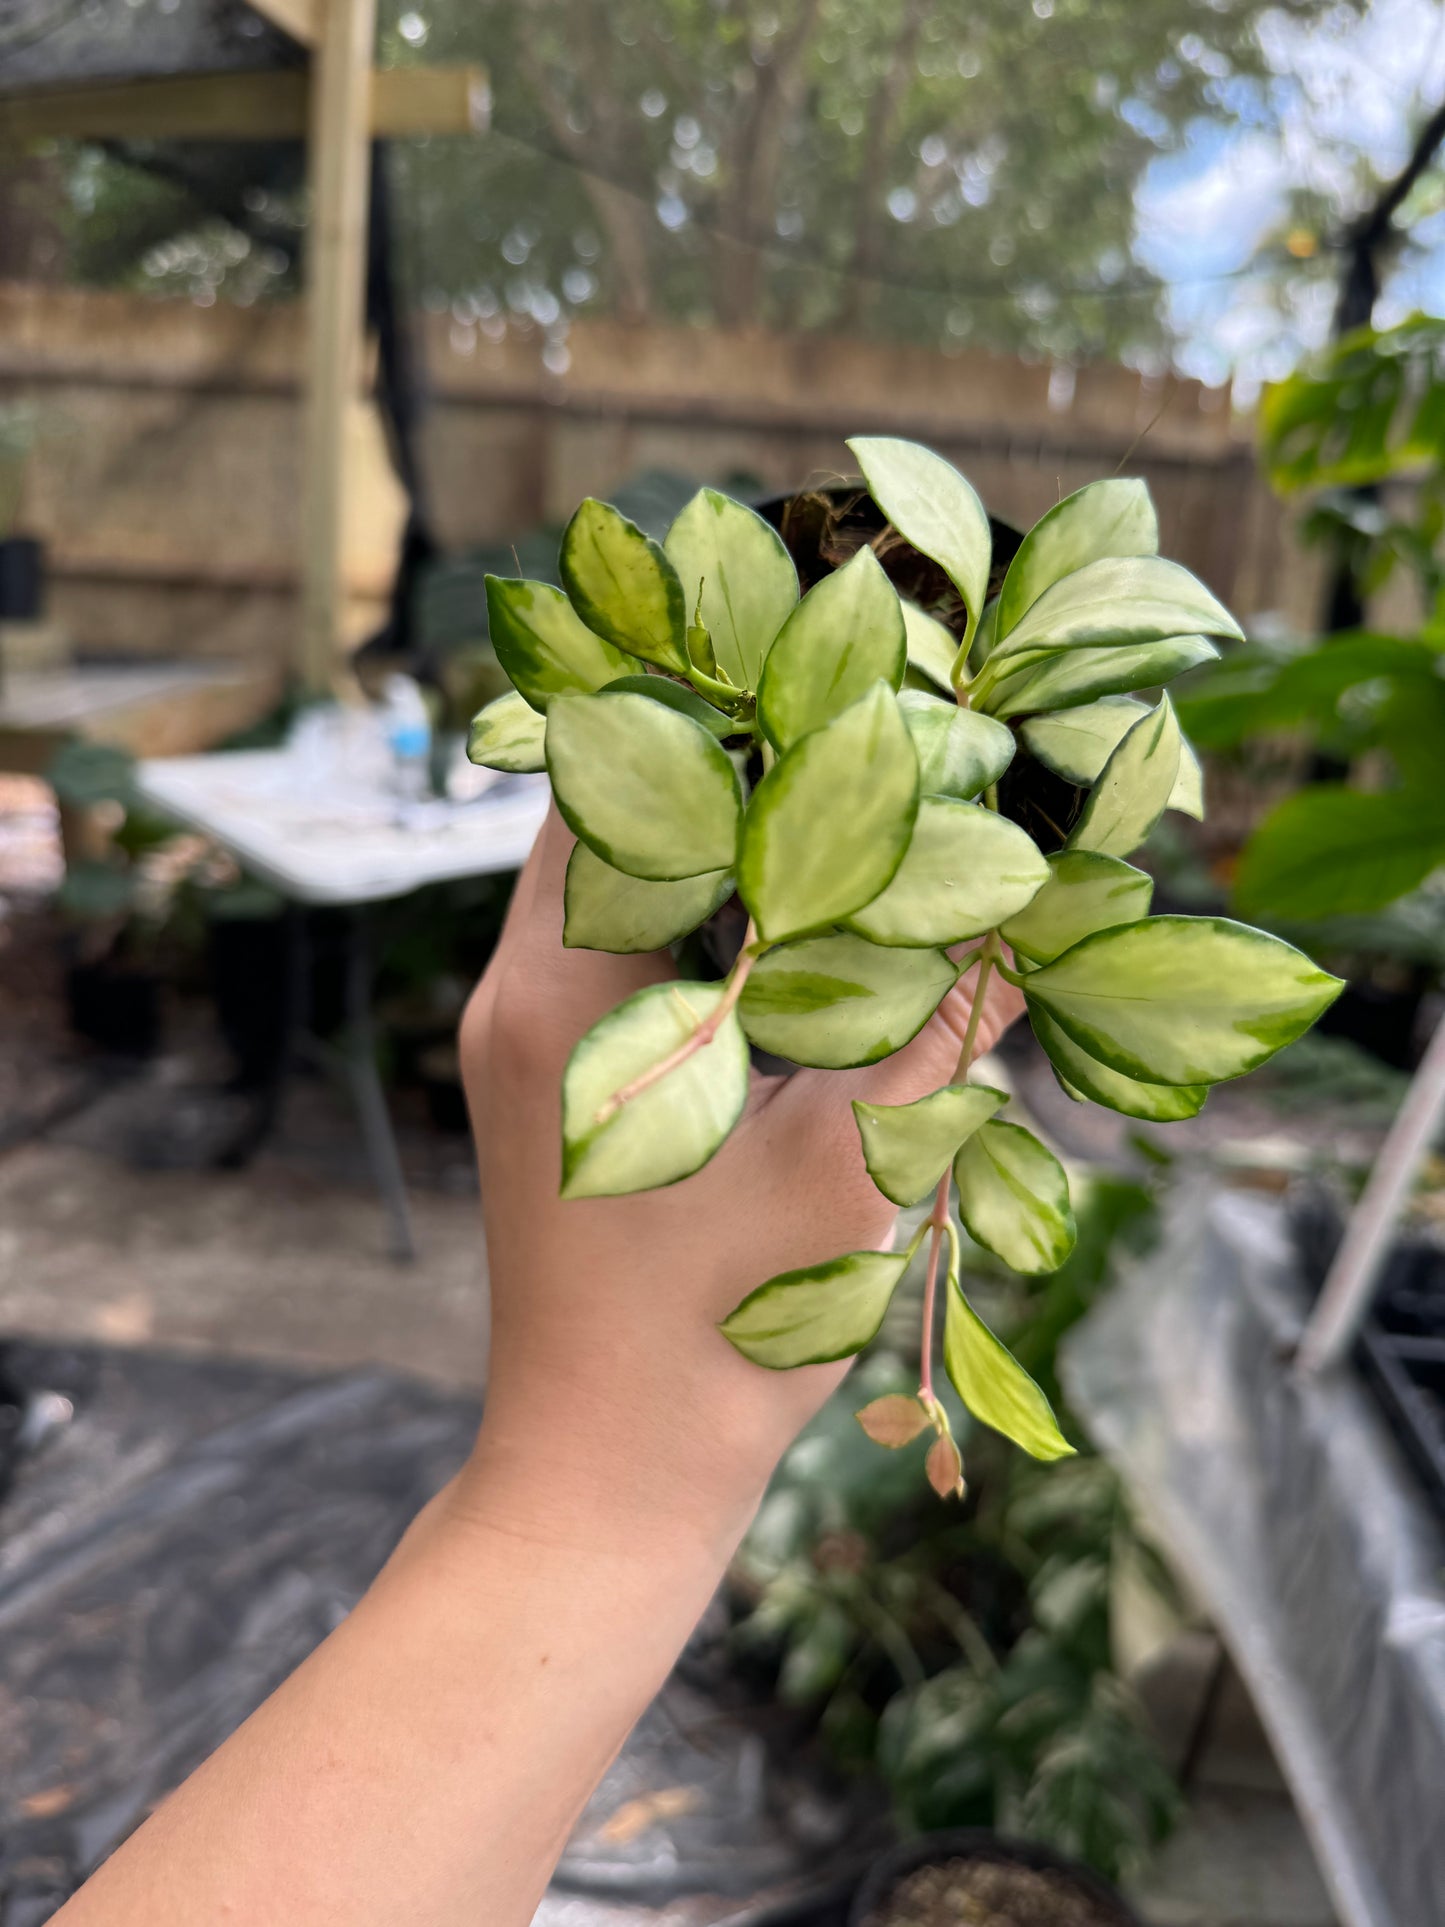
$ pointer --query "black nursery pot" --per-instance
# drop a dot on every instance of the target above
(115, 1006)
(22, 579)
(977, 1846)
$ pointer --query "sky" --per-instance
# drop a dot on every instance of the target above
(1341, 109)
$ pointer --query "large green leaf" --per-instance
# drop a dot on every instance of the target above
(828, 825)
(1182, 1000)
(932, 648)
(747, 577)
(966, 869)
(608, 910)
(960, 752)
(934, 508)
(1134, 789)
(508, 734)
(994, 1386)
(1115, 602)
(1331, 851)
(818, 1314)
(1063, 678)
(1115, 517)
(845, 635)
(1085, 892)
(837, 1001)
(672, 1128)
(544, 645)
(678, 696)
(1076, 744)
(1013, 1198)
(908, 1147)
(623, 586)
(648, 789)
(1084, 1076)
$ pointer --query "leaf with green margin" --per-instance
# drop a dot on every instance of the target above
(934, 508)
(1134, 789)
(965, 871)
(960, 751)
(830, 822)
(817, 1314)
(672, 1128)
(908, 1147)
(1114, 517)
(1084, 1076)
(1064, 678)
(544, 645)
(1119, 600)
(748, 581)
(1076, 744)
(1086, 891)
(1332, 851)
(508, 734)
(846, 634)
(623, 586)
(648, 789)
(834, 1002)
(606, 909)
(1182, 1000)
(676, 695)
(993, 1385)
(932, 648)
(1013, 1198)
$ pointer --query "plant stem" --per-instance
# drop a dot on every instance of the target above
(696, 1040)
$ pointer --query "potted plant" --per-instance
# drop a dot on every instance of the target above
(976, 1879)
(839, 761)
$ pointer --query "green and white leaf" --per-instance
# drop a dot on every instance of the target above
(908, 1147)
(1109, 518)
(1115, 602)
(1085, 892)
(1182, 1000)
(1076, 744)
(605, 909)
(994, 1386)
(623, 586)
(818, 1314)
(672, 1128)
(934, 508)
(932, 648)
(748, 581)
(649, 790)
(830, 822)
(1084, 1076)
(1064, 678)
(508, 734)
(846, 634)
(833, 1002)
(965, 871)
(1134, 789)
(678, 696)
(1013, 1198)
(960, 751)
(544, 645)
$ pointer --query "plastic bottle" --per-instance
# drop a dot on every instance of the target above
(408, 733)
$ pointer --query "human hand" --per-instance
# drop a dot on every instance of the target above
(607, 1373)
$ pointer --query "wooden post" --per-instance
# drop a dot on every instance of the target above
(338, 168)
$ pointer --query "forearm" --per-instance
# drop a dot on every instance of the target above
(427, 1763)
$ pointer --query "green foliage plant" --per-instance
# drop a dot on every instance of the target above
(709, 731)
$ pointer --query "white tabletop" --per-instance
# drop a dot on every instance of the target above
(66, 697)
(320, 838)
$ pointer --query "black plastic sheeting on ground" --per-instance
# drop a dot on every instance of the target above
(1294, 1517)
(172, 1553)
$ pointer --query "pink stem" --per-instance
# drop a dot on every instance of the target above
(937, 1221)
(697, 1040)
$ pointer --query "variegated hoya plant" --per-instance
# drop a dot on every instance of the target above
(834, 760)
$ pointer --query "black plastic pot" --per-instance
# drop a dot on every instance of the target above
(977, 1845)
(116, 1006)
(22, 579)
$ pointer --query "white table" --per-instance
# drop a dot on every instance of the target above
(325, 833)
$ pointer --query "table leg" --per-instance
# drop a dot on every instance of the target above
(359, 1054)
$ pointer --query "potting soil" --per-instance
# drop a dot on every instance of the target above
(990, 1893)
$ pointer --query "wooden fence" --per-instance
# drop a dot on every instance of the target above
(165, 472)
